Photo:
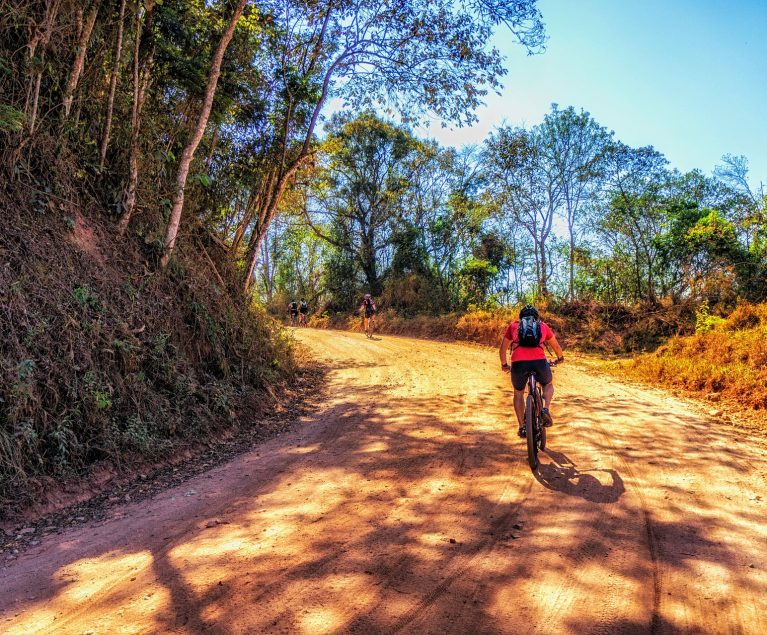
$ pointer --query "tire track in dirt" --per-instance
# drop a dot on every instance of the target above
(652, 545)
(497, 528)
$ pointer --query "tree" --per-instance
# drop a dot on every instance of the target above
(751, 207)
(365, 188)
(113, 77)
(202, 121)
(412, 56)
(86, 28)
(526, 188)
(575, 145)
(635, 181)
(141, 75)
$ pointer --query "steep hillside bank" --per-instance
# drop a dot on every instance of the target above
(105, 359)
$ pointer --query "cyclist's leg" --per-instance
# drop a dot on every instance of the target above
(519, 375)
(545, 378)
(519, 406)
(543, 374)
(548, 394)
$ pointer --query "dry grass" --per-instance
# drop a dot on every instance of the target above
(728, 362)
(584, 326)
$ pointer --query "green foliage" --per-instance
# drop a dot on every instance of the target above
(705, 322)
(86, 297)
(11, 120)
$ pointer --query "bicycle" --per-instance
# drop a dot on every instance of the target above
(370, 328)
(535, 431)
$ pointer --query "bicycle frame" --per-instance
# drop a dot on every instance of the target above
(535, 432)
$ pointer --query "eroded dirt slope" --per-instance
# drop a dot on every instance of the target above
(405, 504)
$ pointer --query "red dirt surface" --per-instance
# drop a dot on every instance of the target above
(405, 504)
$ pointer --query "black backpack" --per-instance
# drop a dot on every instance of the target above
(529, 332)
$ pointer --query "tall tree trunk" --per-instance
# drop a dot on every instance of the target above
(202, 122)
(140, 86)
(288, 170)
(265, 218)
(571, 287)
(113, 86)
(77, 67)
(40, 39)
(268, 282)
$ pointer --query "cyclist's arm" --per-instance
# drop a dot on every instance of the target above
(557, 348)
(502, 352)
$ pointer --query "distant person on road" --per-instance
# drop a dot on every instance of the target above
(368, 311)
(293, 312)
(303, 309)
(527, 337)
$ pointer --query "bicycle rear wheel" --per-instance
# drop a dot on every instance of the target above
(541, 428)
(532, 442)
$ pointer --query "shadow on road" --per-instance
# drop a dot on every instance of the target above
(562, 475)
(393, 510)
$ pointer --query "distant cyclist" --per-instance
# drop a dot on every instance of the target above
(293, 311)
(368, 310)
(303, 309)
(526, 337)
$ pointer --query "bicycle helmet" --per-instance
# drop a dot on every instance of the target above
(368, 296)
(529, 310)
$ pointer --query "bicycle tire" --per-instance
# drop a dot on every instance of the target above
(541, 428)
(532, 445)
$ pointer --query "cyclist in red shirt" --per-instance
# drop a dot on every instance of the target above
(526, 358)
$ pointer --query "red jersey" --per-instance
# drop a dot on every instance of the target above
(526, 353)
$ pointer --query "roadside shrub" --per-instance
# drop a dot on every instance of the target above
(726, 357)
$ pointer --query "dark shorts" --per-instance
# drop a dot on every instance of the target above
(369, 313)
(520, 371)
(294, 313)
(304, 311)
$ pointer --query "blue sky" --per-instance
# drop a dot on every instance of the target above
(686, 76)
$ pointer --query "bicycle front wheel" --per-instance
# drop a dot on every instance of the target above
(532, 442)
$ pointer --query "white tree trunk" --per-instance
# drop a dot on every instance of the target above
(202, 122)
(77, 67)
(140, 85)
(112, 87)
(41, 38)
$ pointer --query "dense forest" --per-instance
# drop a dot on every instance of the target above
(560, 210)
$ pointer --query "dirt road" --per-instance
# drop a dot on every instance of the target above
(405, 504)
